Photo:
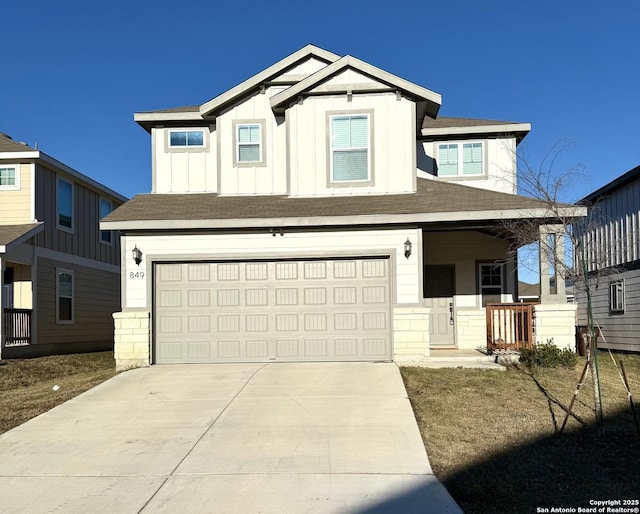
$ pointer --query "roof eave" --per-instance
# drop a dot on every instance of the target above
(520, 129)
(22, 238)
(354, 220)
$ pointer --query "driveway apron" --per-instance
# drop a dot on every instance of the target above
(218, 438)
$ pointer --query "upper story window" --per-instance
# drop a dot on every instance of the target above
(616, 297)
(460, 159)
(65, 205)
(490, 282)
(249, 143)
(186, 138)
(350, 152)
(105, 208)
(9, 177)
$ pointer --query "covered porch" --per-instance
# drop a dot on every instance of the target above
(470, 290)
(16, 284)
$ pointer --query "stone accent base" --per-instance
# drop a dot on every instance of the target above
(132, 339)
(471, 328)
(556, 322)
(410, 333)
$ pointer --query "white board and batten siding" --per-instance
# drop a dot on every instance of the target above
(405, 273)
(391, 150)
(499, 162)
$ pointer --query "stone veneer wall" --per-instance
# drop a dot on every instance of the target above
(410, 333)
(471, 328)
(131, 346)
(557, 322)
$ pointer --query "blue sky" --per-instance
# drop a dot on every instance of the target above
(74, 72)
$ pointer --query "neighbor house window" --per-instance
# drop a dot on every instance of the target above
(105, 208)
(350, 156)
(65, 204)
(248, 143)
(490, 282)
(460, 159)
(9, 177)
(616, 297)
(186, 139)
(64, 293)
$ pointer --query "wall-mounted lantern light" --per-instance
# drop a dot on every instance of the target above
(137, 255)
(407, 248)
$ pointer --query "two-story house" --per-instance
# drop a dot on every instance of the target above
(60, 274)
(320, 210)
(610, 240)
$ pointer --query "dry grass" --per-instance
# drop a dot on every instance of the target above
(26, 385)
(493, 437)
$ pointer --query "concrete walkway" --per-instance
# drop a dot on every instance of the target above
(275, 438)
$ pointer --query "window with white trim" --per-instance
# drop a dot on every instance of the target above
(105, 208)
(9, 177)
(490, 282)
(64, 296)
(350, 155)
(616, 297)
(186, 138)
(248, 143)
(64, 201)
(460, 159)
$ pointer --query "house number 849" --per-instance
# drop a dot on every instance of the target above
(136, 275)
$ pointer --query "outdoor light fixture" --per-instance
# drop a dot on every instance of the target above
(407, 248)
(137, 255)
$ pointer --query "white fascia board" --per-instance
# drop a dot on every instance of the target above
(478, 129)
(279, 100)
(11, 156)
(81, 177)
(375, 219)
(266, 74)
(167, 116)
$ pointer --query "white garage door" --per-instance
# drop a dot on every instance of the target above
(265, 311)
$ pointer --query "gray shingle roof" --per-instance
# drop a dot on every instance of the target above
(432, 196)
(7, 144)
(9, 233)
(449, 122)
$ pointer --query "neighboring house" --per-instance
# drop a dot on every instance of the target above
(530, 293)
(59, 275)
(611, 241)
(320, 210)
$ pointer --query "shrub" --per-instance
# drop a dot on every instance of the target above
(548, 356)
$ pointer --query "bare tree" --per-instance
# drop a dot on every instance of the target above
(583, 263)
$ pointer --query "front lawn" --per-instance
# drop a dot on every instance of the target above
(493, 437)
(27, 385)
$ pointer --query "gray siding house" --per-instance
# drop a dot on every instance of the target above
(59, 273)
(611, 241)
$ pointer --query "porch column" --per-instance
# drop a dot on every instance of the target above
(551, 255)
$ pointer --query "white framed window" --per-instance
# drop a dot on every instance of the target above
(248, 143)
(9, 177)
(490, 282)
(461, 159)
(186, 138)
(64, 203)
(64, 296)
(350, 147)
(105, 208)
(616, 297)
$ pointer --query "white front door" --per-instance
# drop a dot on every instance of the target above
(439, 286)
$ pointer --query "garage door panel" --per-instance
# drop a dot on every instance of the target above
(265, 311)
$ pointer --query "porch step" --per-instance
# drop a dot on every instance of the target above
(470, 359)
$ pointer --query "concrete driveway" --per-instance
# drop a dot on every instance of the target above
(237, 438)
